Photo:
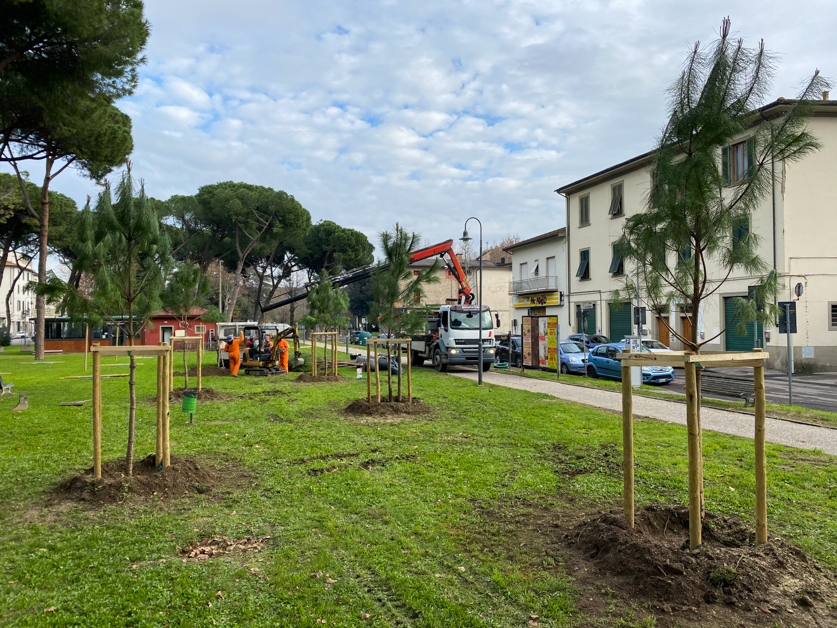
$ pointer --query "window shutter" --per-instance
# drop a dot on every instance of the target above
(725, 165)
(615, 263)
(616, 201)
(751, 157)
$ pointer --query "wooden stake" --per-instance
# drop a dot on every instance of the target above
(97, 417)
(627, 445)
(158, 453)
(377, 375)
(368, 374)
(313, 354)
(168, 358)
(117, 340)
(200, 362)
(335, 353)
(171, 365)
(695, 467)
(409, 372)
(761, 459)
(86, 345)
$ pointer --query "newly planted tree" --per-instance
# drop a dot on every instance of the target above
(327, 307)
(121, 248)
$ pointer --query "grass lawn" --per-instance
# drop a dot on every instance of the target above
(394, 519)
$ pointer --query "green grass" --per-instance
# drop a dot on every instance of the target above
(782, 411)
(405, 542)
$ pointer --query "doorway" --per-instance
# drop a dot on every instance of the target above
(687, 328)
(663, 334)
(166, 333)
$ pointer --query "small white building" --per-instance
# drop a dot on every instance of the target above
(22, 300)
(538, 286)
(797, 226)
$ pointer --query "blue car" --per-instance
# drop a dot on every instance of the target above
(573, 359)
(603, 363)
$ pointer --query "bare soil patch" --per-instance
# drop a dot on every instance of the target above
(361, 407)
(211, 547)
(307, 378)
(205, 394)
(366, 465)
(726, 582)
(183, 477)
(206, 371)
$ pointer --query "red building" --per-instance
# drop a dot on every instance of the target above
(163, 325)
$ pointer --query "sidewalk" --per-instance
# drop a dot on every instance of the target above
(723, 421)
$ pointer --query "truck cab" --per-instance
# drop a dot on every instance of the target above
(452, 337)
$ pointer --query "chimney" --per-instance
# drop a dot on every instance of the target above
(825, 95)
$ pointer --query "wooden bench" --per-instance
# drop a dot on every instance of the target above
(740, 387)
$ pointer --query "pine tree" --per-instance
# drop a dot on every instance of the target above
(121, 248)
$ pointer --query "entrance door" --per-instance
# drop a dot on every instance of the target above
(687, 327)
(620, 322)
(662, 331)
(166, 333)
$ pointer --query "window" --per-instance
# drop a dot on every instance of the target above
(200, 329)
(583, 272)
(536, 269)
(685, 253)
(550, 267)
(616, 201)
(524, 272)
(584, 210)
(740, 231)
(832, 317)
(617, 264)
(737, 160)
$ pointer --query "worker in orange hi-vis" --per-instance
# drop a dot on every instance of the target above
(284, 349)
(235, 353)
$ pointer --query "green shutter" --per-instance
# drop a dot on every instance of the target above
(591, 320)
(751, 157)
(620, 322)
(725, 165)
(734, 342)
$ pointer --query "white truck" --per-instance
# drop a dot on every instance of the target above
(452, 338)
(234, 329)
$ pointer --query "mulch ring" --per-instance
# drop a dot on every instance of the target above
(307, 378)
(183, 477)
(725, 582)
(386, 408)
(206, 371)
(211, 547)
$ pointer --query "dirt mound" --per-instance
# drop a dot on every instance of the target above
(725, 581)
(205, 394)
(184, 476)
(206, 371)
(361, 407)
(220, 545)
(307, 378)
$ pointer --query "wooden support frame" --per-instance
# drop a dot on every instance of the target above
(163, 352)
(690, 362)
(330, 348)
(400, 342)
(199, 341)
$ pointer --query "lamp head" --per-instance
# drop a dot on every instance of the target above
(465, 237)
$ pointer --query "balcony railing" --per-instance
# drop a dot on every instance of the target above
(533, 284)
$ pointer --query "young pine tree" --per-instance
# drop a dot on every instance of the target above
(327, 308)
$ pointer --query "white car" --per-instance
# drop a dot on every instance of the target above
(654, 346)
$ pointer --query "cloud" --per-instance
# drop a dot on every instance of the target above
(428, 112)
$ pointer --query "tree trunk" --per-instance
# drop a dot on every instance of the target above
(4, 256)
(236, 289)
(40, 300)
(257, 310)
(389, 370)
(132, 392)
(398, 360)
(185, 368)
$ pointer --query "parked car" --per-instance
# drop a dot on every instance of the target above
(513, 357)
(655, 346)
(603, 363)
(591, 340)
(573, 359)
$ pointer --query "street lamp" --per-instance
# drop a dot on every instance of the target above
(466, 238)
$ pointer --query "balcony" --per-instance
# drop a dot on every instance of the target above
(534, 284)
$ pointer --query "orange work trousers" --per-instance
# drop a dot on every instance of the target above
(235, 364)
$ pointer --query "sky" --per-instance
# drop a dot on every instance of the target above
(425, 113)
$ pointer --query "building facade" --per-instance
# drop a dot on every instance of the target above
(16, 276)
(538, 285)
(796, 223)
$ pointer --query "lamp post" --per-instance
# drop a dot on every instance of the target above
(466, 238)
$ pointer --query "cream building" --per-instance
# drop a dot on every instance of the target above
(495, 290)
(797, 226)
(538, 285)
(22, 300)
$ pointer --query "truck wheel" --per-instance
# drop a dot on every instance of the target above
(440, 366)
(417, 358)
(486, 366)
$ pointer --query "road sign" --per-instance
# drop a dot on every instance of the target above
(639, 316)
(787, 306)
(586, 306)
(798, 289)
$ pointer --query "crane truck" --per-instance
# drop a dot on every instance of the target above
(451, 336)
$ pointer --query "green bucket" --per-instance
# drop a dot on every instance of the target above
(190, 401)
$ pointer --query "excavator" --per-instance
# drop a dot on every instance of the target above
(261, 358)
(444, 250)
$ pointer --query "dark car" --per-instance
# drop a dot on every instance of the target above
(591, 340)
(513, 357)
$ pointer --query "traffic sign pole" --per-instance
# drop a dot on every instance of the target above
(790, 352)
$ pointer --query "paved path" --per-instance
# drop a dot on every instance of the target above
(736, 423)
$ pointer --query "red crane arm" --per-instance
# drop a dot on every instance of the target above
(442, 249)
